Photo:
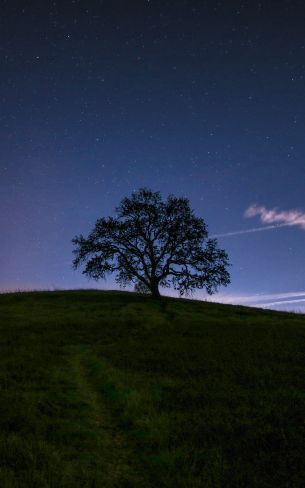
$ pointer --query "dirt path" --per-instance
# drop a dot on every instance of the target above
(114, 459)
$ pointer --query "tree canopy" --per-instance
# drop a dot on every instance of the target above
(153, 243)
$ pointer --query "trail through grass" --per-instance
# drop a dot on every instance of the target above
(105, 389)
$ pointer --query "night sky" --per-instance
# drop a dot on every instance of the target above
(203, 99)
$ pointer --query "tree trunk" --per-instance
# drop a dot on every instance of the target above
(155, 290)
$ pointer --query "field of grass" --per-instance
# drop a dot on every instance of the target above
(109, 389)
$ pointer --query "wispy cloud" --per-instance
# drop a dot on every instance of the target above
(279, 302)
(275, 216)
(259, 297)
(249, 231)
(267, 300)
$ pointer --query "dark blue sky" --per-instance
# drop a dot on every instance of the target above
(203, 99)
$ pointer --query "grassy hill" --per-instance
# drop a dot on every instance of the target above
(109, 389)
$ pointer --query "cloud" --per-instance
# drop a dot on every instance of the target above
(261, 300)
(280, 302)
(274, 216)
(258, 297)
(249, 231)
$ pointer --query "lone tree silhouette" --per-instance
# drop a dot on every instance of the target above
(153, 243)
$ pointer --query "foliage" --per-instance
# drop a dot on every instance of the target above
(140, 287)
(155, 243)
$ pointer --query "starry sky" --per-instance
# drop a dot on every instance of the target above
(203, 99)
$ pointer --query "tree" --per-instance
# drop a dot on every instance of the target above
(140, 287)
(153, 243)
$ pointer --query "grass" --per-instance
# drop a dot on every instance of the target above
(110, 389)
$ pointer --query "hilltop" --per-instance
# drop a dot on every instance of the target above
(113, 389)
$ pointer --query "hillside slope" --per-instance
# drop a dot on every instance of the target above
(109, 389)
